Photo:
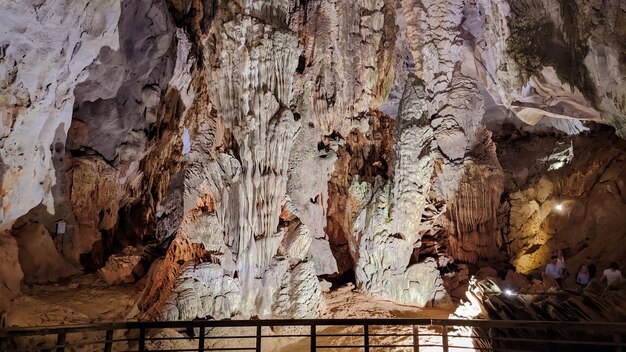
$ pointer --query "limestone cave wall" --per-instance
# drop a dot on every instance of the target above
(568, 196)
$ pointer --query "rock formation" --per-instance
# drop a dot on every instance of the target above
(39, 259)
(122, 268)
(11, 273)
(569, 203)
(42, 63)
(254, 146)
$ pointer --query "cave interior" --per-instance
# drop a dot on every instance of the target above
(254, 159)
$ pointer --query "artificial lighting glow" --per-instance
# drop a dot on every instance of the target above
(559, 207)
(509, 292)
(186, 142)
(556, 166)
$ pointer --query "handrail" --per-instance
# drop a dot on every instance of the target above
(529, 324)
(571, 333)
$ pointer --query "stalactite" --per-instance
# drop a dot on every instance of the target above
(327, 91)
(473, 210)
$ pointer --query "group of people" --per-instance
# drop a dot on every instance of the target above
(557, 270)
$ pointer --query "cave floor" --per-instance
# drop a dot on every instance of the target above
(345, 303)
(85, 299)
(81, 299)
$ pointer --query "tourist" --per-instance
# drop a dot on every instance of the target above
(583, 276)
(590, 267)
(612, 275)
(554, 271)
(560, 263)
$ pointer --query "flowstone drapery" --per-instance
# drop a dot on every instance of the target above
(235, 214)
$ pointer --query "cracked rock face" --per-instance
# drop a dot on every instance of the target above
(254, 146)
(11, 272)
(46, 49)
(536, 80)
(571, 207)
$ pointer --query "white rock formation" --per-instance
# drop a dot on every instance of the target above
(348, 67)
(45, 50)
(233, 199)
(382, 259)
(468, 177)
(387, 229)
(307, 186)
(414, 162)
(253, 80)
(203, 291)
(545, 92)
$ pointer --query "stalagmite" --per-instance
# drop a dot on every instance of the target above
(387, 228)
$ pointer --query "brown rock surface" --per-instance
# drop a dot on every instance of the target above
(39, 259)
(122, 268)
(586, 186)
(10, 270)
(95, 196)
(516, 281)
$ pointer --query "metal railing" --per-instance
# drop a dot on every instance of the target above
(367, 335)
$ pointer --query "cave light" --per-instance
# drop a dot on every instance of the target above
(555, 166)
(558, 207)
(510, 292)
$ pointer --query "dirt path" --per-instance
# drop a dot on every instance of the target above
(86, 299)
(82, 299)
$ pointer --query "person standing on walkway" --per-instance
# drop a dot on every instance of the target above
(560, 263)
(583, 276)
(591, 267)
(554, 271)
(612, 275)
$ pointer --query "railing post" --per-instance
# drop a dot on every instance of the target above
(4, 343)
(142, 339)
(259, 338)
(552, 337)
(201, 340)
(61, 342)
(366, 337)
(108, 344)
(416, 338)
(313, 337)
(444, 338)
(618, 339)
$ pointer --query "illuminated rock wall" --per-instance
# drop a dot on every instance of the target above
(589, 189)
(45, 51)
(232, 219)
